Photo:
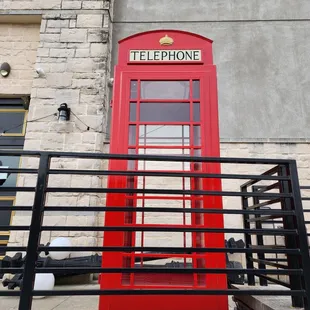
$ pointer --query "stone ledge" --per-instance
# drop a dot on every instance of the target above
(30, 12)
(265, 302)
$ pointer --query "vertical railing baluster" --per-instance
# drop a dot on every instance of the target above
(303, 243)
(259, 238)
(25, 302)
(247, 238)
(291, 241)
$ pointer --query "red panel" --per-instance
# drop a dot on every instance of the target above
(205, 72)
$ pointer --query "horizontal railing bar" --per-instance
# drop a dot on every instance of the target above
(268, 263)
(228, 160)
(162, 173)
(163, 250)
(274, 246)
(172, 250)
(264, 218)
(272, 222)
(147, 191)
(304, 187)
(14, 227)
(169, 210)
(17, 189)
(164, 228)
(169, 292)
(19, 170)
(15, 208)
(266, 188)
(276, 281)
(10, 293)
(276, 259)
(163, 269)
(271, 171)
(163, 192)
(265, 203)
(152, 209)
(305, 198)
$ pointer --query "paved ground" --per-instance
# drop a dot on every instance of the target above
(272, 302)
(91, 302)
(58, 302)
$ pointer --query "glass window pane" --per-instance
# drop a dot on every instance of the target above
(5, 216)
(165, 112)
(10, 162)
(166, 165)
(131, 163)
(165, 90)
(132, 135)
(196, 89)
(11, 122)
(133, 112)
(133, 89)
(196, 112)
(197, 136)
(164, 135)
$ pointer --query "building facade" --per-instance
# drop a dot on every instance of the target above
(64, 51)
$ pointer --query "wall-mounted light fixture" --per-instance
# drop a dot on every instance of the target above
(5, 69)
(64, 112)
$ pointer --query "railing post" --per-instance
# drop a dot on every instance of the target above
(259, 238)
(25, 302)
(303, 243)
(289, 222)
(247, 238)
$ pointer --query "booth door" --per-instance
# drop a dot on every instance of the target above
(164, 114)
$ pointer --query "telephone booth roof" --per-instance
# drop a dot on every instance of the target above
(150, 40)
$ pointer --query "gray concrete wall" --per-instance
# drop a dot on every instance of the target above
(261, 49)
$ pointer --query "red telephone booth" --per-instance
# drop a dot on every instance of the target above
(165, 102)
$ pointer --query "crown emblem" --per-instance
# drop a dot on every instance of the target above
(166, 40)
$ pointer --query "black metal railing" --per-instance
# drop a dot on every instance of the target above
(268, 197)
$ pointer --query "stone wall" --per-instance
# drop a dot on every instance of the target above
(19, 49)
(73, 52)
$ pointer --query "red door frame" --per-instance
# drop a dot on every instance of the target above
(204, 71)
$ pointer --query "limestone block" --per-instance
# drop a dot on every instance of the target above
(59, 180)
(62, 200)
(71, 5)
(58, 23)
(98, 35)
(87, 83)
(46, 93)
(92, 5)
(80, 65)
(58, 67)
(59, 52)
(70, 96)
(73, 35)
(52, 142)
(82, 52)
(59, 80)
(89, 20)
(98, 49)
(50, 37)
(51, 4)
(72, 23)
